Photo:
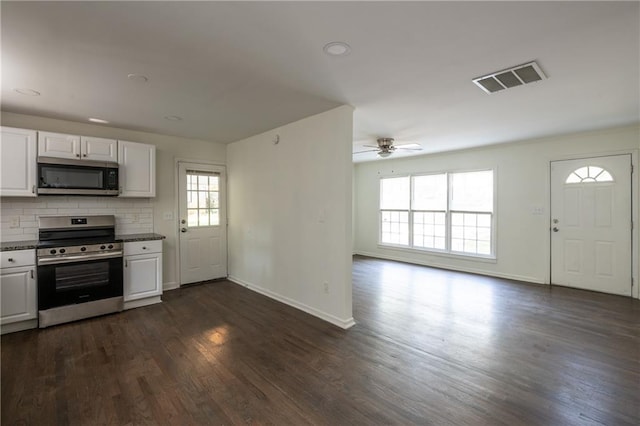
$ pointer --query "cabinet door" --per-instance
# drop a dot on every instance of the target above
(99, 149)
(142, 276)
(17, 162)
(137, 169)
(18, 294)
(58, 145)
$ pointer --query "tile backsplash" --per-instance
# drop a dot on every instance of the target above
(19, 216)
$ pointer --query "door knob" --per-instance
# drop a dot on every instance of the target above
(183, 229)
(555, 229)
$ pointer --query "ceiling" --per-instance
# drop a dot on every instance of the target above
(235, 69)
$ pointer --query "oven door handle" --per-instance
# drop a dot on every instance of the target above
(79, 258)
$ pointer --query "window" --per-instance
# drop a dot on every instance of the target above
(203, 198)
(589, 174)
(445, 212)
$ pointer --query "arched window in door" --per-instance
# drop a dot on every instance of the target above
(589, 174)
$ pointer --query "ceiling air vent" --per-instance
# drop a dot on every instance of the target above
(512, 77)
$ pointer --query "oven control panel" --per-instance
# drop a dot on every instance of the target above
(78, 253)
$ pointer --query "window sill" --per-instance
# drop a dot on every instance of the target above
(483, 259)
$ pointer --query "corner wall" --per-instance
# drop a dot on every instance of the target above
(132, 214)
(290, 234)
(522, 173)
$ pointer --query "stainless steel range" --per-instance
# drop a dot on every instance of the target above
(79, 268)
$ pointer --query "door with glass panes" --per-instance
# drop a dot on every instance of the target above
(202, 221)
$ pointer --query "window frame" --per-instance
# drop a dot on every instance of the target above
(447, 251)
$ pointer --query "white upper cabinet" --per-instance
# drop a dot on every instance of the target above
(98, 149)
(137, 169)
(17, 162)
(61, 145)
(58, 145)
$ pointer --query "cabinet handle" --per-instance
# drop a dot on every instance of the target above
(144, 248)
(10, 259)
(84, 155)
(33, 189)
(120, 190)
(77, 155)
(32, 274)
(126, 263)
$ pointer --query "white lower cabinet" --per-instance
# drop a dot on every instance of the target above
(18, 291)
(142, 273)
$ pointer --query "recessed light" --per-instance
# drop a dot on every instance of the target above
(337, 48)
(138, 78)
(173, 118)
(28, 92)
(98, 120)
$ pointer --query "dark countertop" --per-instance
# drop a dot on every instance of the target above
(18, 245)
(128, 238)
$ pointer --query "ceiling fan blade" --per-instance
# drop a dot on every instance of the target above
(371, 146)
(408, 149)
(369, 150)
(409, 146)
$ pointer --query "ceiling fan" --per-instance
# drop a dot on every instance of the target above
(386, 147)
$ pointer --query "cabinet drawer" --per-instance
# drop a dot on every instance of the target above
(142, 247)
(9, 259)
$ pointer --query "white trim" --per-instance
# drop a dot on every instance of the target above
(18, 326)
(342, 323)
(142, 302)
(440, 253)
(523, 278)
(170, 285)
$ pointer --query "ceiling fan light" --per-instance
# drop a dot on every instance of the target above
(384, 154)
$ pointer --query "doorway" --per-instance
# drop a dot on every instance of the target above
(591, 224)
(203, 222)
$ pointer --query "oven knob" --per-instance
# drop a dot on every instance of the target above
(110, 246)
(83, 249)
(62, 251)
(52, 251)
(102, 247)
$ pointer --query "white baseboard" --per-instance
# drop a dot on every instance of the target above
(524, 278)
(170, 285)
(18, 326)
(342, 323)
(142, 302)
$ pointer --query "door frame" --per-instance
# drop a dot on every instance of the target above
(635, 291)
(176, 208)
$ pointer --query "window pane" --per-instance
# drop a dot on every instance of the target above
(192, 200)
(430, 192)
(394, 193)
(472, 191)
(192, 217)
(204, 218)
(457, 219)
(394, 227)
(213, 183)
(214, 217)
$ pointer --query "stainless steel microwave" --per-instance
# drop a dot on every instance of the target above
(59, 176)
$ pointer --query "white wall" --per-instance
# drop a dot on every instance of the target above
(522, 171)
(290, 214)
(149, 211)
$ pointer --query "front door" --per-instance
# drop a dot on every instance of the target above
(203, 222)
(591, 224)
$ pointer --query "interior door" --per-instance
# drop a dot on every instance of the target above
(591, 224)
(203, 222)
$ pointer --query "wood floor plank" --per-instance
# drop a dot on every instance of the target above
(429, 347)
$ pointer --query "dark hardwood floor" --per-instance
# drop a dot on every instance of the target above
(429, 347)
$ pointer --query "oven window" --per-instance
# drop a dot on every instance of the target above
(53, 176)
(73, 277)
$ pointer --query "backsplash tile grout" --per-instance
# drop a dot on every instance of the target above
(19, 216)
